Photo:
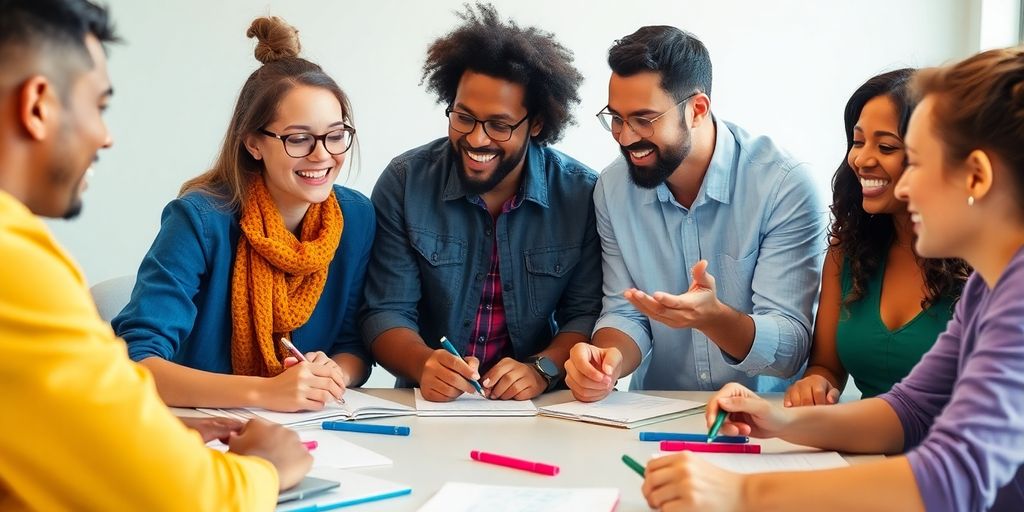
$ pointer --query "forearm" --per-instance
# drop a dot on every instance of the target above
(864, 426)
(613, 338)
(181, 386)
(402, 351)
(353, 366)
(890, 484)
(731, 330)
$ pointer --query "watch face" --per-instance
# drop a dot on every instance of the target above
(548, 367)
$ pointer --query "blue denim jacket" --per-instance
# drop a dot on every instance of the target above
(433, 250)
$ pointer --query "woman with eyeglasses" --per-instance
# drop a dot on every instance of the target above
(261, 247)
(882, 305)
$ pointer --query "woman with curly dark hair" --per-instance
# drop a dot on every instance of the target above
(882, 305)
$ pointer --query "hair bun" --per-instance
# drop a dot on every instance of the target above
(277, 39)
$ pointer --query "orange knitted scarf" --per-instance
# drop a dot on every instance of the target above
(277, 279)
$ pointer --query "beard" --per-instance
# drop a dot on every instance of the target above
(503, 168)
(665, 161)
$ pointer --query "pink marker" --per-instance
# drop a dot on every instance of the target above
(310, 445)
(678, 446)
(509, 462)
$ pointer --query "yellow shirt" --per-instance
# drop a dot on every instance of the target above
(82, 426)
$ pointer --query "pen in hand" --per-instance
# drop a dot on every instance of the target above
(298, 355)
(451, 348)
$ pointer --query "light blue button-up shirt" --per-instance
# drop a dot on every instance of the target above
(760, 224)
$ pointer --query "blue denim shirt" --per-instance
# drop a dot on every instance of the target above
(758, 221)
(433, 250)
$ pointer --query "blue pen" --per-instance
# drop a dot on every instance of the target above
(367, 428)
(451, 348)
(697, 438)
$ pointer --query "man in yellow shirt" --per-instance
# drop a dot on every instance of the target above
(83, 427)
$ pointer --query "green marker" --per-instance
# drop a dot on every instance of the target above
(719, 419)
(634, 465)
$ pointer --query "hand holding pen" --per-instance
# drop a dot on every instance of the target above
(307, 384)
(446, 375)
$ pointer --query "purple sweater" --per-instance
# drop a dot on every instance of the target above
(962, 406)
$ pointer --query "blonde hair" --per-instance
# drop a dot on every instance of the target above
(282, 69)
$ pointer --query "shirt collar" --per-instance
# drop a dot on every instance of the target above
(717, 183)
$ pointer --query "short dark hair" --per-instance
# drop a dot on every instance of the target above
(55, 27)
(681, 59)
(862, 239)
(526, 56)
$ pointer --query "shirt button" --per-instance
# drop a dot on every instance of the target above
(433, 256)
(488, 307)
(479, 276)
(488, 232)
(480, 339)
(558, 268)
(704, 376)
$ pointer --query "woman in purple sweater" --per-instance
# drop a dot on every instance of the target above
(955, 425)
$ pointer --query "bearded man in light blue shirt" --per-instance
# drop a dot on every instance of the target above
(712, 239)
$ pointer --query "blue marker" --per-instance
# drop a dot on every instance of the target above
(366, 428)
(697, 438)
(451, 348)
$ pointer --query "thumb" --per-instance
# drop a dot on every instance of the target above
(700, 275)
(290, 361)
(610, 360)
(749, 405)
(833, 395)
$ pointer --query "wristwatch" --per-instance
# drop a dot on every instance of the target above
(547, 369)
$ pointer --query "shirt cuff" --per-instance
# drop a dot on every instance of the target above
(767, 335)
(582, 325)
(638, 332)
(375, 324)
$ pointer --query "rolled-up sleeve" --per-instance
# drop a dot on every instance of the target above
(392, 277)
(786, 278)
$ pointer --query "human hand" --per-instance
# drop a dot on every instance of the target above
(692, 309)
(304, 385)
(749, 414)
(278, 445)
(811, 390)
(511, 380)
(446, 376)
(591, 372)
(686, 482)
(213, 428)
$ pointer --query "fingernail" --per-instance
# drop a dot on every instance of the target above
(486, 383)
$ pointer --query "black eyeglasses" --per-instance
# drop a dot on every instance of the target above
(641, 126)
(495, 130)
(301, 145)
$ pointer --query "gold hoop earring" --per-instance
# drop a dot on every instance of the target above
(970, 200)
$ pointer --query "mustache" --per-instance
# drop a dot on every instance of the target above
(485, 149)
(639, 146)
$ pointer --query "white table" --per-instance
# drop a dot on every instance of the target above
(588, 454)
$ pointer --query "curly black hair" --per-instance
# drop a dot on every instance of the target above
(526, 56)
(864, 239)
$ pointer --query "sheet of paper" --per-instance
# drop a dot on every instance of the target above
(354, 489)
(465, 497)
(772, 462)
(624, 407)
(357, 405)
(332, 452)
(474, 405)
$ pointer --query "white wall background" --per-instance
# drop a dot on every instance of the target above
(783, 68)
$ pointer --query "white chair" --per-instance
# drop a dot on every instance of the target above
(111, 296)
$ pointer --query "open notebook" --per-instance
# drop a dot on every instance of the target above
(357, 406)
(474, 405)
(332, 451)
(465, 497)
(353, 490)
(624, 409)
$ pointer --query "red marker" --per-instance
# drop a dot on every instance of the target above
(509, 462)
(310, 445)
(678, 446)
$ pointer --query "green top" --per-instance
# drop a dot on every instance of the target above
(873, 355)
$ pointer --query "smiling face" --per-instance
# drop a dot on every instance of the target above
(484, 161)
(297, 182)
(877, 155)
(937, 206)
(652, 159)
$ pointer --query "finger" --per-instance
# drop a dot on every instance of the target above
(610, 361)
(833, 395)
(645, 303)
(700, 275)
(503, 382)
(474, 364)
(442, 392)
(818, 395)
(327, 385)
(458, 366)
(581, 393)
(290, 361)
(497, 372)
(582, 363)
(517, 385)
(455, 380)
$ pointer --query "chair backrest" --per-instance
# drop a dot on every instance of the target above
(111, 296)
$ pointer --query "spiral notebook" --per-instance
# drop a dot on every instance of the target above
(357, 406)
(624, 409)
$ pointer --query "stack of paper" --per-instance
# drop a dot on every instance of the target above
(623, 409)
(474, 405)
(357, 406)
(463, 497)
(332, 451)
(354, 489)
